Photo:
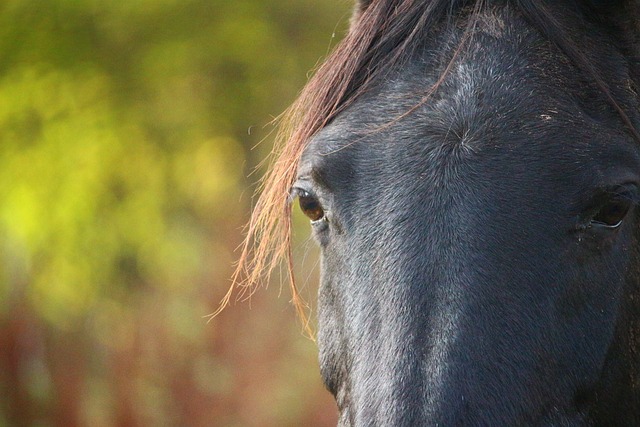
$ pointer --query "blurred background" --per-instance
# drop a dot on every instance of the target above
(127, 135)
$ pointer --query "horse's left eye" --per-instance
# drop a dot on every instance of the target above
(613, 212)
(310, 206)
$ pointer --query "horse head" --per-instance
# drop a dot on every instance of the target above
(471, 170)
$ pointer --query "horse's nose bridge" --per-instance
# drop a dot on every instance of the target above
(471, 313)
(435, 351)
(447, 272)
(433, 288)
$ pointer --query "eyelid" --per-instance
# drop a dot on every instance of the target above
(632, 196)
(625, 188)
(302, 185)
(625, 191)
(320, 221)
(606, 226)
(297, 191)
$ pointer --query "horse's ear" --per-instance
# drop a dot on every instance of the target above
(361, 6)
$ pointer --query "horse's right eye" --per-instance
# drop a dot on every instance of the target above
(310, 206)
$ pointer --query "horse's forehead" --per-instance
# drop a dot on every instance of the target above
(506, 86)
(492, 72)
(483, 87)
(491, 23)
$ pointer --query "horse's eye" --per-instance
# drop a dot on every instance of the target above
(613, 212)
(310, 206)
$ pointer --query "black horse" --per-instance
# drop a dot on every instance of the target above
(472, 173)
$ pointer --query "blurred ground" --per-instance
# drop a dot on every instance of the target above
(126, 135)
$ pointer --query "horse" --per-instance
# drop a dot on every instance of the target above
(471, 172)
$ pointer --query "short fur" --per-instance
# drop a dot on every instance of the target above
(462, 152)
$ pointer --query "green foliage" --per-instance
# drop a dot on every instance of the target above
(126, 135)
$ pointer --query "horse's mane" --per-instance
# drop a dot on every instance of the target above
(385, 33)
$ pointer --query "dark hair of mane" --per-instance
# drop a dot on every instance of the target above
(386, 33)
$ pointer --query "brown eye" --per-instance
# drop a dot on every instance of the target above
(310, 206)
(612, 214)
